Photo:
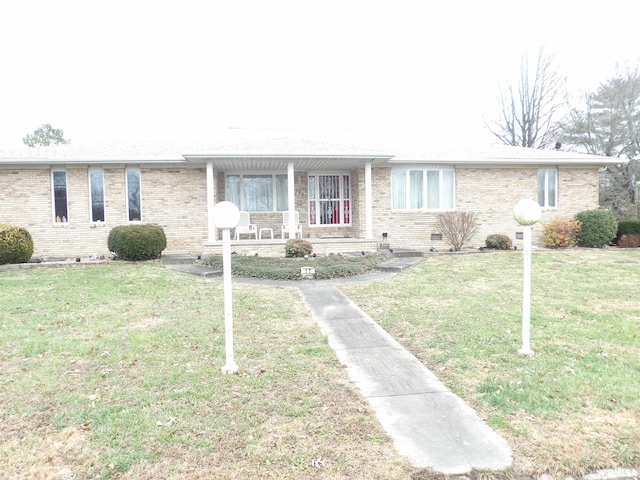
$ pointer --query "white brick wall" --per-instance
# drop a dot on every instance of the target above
(172, 198)
(490, 193)
(176, 199)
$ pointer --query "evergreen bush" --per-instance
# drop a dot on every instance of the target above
(16, 244)
(297, 248)
(598, 228)
(560, 233)
(498, 241)
(628, 227)
(137, 242)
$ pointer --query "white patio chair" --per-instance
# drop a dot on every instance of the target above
(285, 225)
(245, 227)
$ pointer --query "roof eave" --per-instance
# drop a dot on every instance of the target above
(85, 161)
(600, 161)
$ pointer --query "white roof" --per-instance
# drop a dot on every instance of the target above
(268, 150)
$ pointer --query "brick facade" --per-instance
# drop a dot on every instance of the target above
(176, 199)
(490, 193)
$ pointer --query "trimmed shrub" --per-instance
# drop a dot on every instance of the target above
(330, 266)
(137, 242)
(16, 244)
(297, 248)
(628, 227)
(498, 241)
(560, 233)
(598, 228)
(629, 240)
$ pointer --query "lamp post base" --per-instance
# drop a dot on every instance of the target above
(233, 368)
(526, 352)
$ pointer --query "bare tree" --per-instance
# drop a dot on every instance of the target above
(530, 111)
(458, 228)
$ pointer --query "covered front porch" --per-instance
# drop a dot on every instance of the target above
(331, 191)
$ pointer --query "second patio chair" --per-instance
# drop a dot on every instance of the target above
(297, 228)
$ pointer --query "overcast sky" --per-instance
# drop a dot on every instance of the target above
(103, 70)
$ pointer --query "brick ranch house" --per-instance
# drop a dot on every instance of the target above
(348, 199)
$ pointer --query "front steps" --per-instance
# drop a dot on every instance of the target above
(401, 259)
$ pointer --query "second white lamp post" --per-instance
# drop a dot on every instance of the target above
(225, 217)
(526, 213)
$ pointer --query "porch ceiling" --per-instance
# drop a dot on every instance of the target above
(259, 163)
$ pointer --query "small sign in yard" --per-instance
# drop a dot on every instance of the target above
(308, 272)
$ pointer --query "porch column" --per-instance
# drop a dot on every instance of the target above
(291, 192)
(211, 226)
(368, 201)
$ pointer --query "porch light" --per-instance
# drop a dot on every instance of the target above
(526, 213)
(225, 217)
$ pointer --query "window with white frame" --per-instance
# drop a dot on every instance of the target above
(59, 195)
(96, 195)
(329, 199)
(258, 192)
(134, 197)
(548, 187)
(422, 188)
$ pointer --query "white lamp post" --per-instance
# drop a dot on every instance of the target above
(225, 217)
(526, 213)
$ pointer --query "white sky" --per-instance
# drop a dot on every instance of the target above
(103, 70)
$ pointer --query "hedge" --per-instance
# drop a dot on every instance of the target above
(629, 227)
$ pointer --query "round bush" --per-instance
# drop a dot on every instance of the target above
(16, 244)
(560, 233)
(297, 248)
(598, 228)
(498, 241)
(137, 242)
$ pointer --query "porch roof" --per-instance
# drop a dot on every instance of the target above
(271, 163)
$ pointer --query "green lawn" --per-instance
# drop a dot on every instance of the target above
(574, 405)
(112, 370)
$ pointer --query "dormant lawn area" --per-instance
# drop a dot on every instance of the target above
(113, 371)
(572, 407)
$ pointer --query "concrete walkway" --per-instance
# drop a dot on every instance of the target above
(429, 425)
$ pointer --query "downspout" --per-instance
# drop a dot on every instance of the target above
(291, 191)
(211, 226)
(368, 202)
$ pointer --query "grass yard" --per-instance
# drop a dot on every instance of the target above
(572, 407)
(114, 371)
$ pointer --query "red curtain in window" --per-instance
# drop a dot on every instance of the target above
(329, 203)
